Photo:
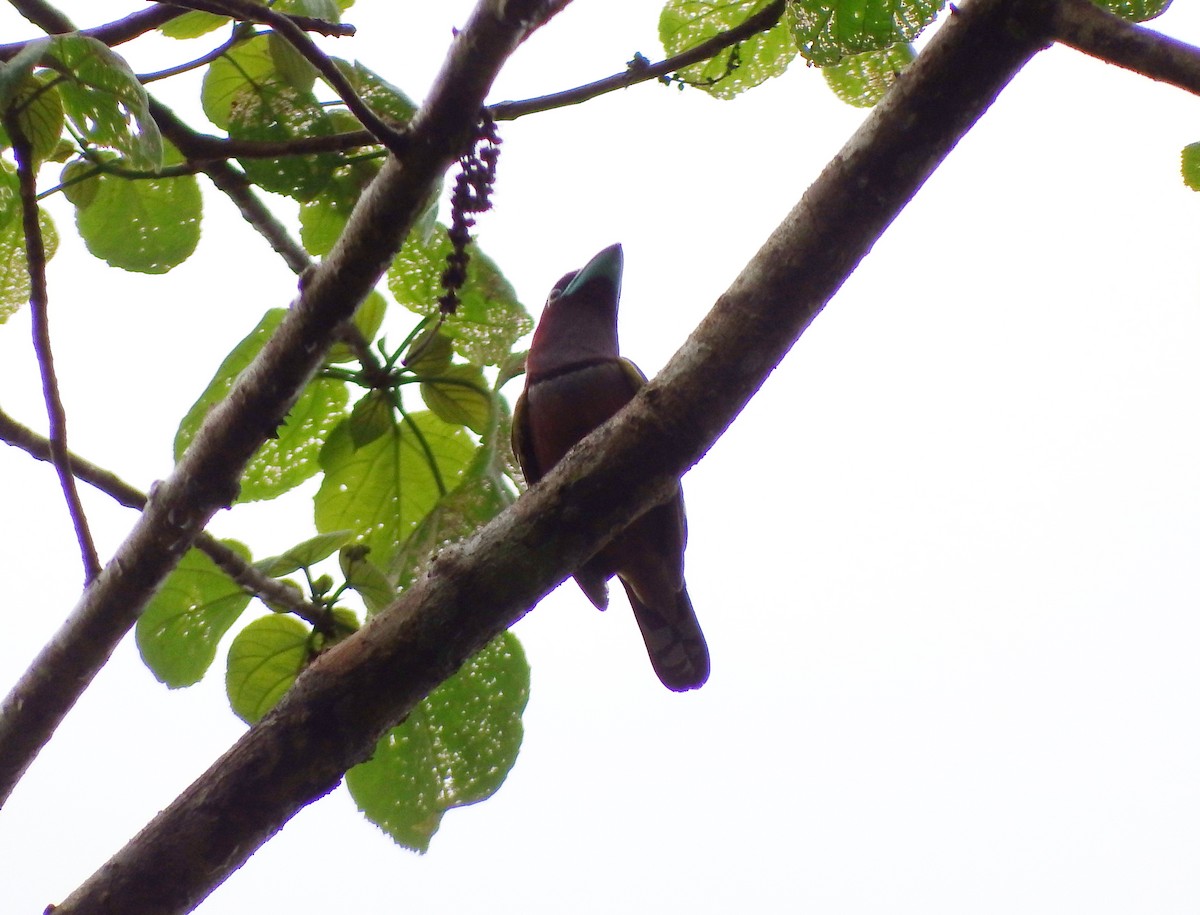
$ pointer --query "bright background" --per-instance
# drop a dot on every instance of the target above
(946, 560)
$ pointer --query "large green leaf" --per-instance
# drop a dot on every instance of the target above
(264, 661)
(39, 115)
(104, 101)
(179, 632)
(14, 268)
(247, 66)
(383, 489)
(147, 225)
(489, 319)
(277, 111)
(292, 456)
(474, 502)
(1190, 165)
(1134, 10)
(684, 24)
(828, 30)
(456, 747)
(459, 394)
(862, 79)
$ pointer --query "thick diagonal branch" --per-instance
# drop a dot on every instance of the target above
(353, 693)
(1082, 25)
(205, 479)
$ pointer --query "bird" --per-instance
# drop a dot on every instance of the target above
(575, 379)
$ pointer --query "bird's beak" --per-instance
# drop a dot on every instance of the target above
(607, 265)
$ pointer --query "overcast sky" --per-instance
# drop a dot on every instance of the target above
(946, 560)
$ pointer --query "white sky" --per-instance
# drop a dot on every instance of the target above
(946, 560)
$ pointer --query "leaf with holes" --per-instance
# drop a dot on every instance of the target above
(290, 458)
(455, 748)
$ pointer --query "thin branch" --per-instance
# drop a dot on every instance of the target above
(43, 15)
(205, 479)
(241, 33)
(764, 19)
(111, 33)
(203, 147)
(271, 591)
(332, 717)
(235, 186)
(246, 11)
(39, 304)
(287, 27)
(1082, 25)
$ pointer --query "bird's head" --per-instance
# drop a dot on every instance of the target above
(579, 322)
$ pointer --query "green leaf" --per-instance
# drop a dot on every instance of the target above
(366, 578)
(371, 418)
(862, 79)
(264, 661)
(382, 97)
(39, 116)
(456, 747)
(290, 64)
(147, 225)
(292, 457)
(684, 24)
(383, 490)
(193, 24)
(1134, 10)
(323, 216)
(304, 555)
(459, 394)
(14, 268)
(489, 319)
(317, 9)
(1190, 165)
(430, 353)
(477, 500)
(828, 30)
(245, 67)
(368, 318)
(104, 101)
(15, 72)
(179, 632)
(278, 112)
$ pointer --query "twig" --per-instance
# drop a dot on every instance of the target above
(271, 591)
(1082, 25)
(761, 21)
(39, 304)
(242, 33)
(288, 28)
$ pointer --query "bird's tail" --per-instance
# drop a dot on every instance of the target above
(673, 640)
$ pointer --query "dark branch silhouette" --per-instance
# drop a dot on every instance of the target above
(39, 305)
(761, 21)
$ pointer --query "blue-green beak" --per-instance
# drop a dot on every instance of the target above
(607, 265)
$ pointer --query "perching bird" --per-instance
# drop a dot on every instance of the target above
(575, 379)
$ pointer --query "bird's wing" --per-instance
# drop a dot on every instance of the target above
(521, 444)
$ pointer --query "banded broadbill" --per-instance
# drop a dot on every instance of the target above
(575, 379)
